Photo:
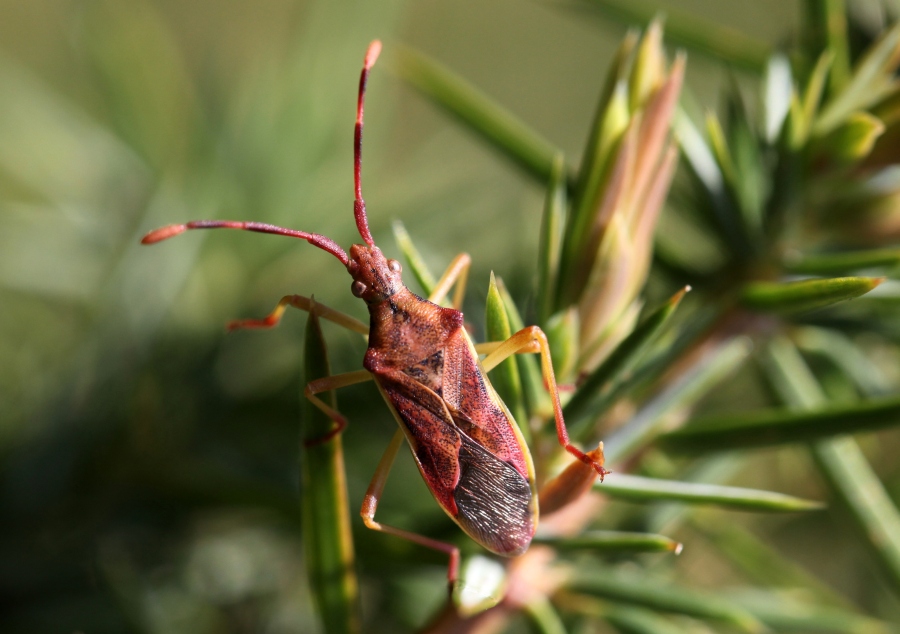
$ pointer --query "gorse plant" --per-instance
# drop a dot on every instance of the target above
(750, 222)
(717, 286)
(762, 244)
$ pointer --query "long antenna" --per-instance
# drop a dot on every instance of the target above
(359, 205)
(315, 239)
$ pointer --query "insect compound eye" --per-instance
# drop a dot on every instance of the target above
(394, 266)
(357, 288)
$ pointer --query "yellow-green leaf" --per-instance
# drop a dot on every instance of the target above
(326, 518)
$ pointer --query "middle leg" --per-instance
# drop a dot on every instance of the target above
(326, 384)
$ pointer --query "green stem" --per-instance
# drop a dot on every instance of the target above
(842, 464)
(497, 125)
(693, 32)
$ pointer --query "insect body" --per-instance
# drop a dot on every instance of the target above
(465, 442)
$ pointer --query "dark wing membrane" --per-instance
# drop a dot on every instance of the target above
(494, 501)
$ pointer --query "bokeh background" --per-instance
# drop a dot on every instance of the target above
(149, 460)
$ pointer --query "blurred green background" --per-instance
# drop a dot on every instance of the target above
(149, 461)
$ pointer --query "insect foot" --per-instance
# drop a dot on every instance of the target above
(573, 482)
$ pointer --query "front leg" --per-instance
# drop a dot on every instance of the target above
(303, 303)
(457, 273)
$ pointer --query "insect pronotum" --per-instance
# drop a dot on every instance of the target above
(465, 442)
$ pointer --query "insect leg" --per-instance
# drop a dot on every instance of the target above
(303, 303)
(326, 384)
(487, 347)
(457, 272)
(567, 487)
(522, 341)
(370, 505)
